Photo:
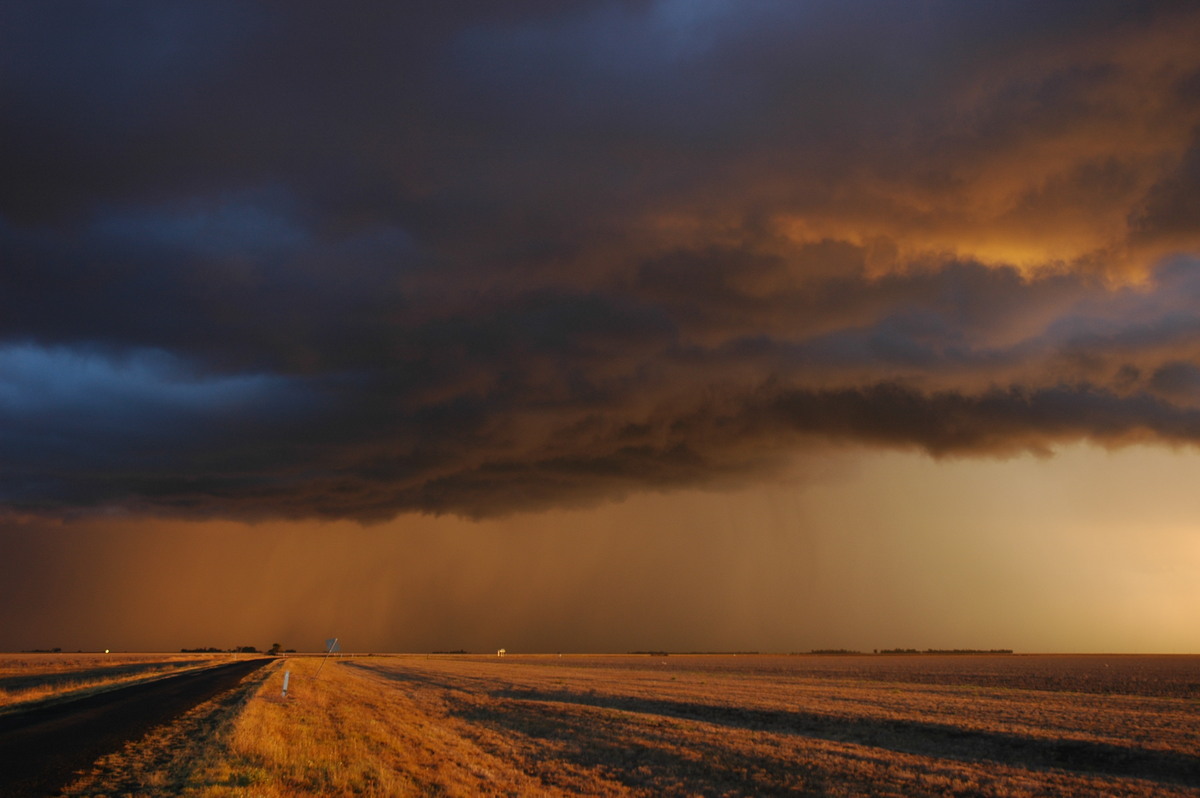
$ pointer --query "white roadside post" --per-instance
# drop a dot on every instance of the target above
(286, 676)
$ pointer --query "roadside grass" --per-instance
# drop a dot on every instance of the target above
(344, 733)
(29, 678)
(166, 760)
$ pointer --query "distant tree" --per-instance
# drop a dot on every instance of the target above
(246, 650)
(275, 649)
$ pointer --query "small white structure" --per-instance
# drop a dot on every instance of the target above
(500, 652)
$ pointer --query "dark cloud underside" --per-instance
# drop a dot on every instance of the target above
(281, 259)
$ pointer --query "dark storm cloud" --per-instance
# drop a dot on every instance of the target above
(280, 259)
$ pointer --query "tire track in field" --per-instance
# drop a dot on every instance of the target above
(42, 748)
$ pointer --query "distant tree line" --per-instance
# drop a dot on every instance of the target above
(274, 650)
(944, 651)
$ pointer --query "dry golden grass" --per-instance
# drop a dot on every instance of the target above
(35, 677)
(459, 726)
(347, 732)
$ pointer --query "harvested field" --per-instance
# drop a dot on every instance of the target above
(35, 677)
(709, 725)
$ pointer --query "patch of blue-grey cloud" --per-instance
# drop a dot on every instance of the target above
(85, 416)
(36, 380)
(247, 224)
(608, 54)
(121, 59)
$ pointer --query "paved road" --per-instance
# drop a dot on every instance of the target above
(41, 749)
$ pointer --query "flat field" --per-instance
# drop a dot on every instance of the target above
(36, 677)
(690, 725)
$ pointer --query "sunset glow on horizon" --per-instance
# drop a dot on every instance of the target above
(610, 326)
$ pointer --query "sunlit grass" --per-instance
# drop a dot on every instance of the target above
(346, 732)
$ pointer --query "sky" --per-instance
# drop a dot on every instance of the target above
(769, 325)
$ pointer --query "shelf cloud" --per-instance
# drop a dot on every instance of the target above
(286, 261)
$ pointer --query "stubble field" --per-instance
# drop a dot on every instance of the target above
(684, 725)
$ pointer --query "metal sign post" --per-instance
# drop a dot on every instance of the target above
(331, 645)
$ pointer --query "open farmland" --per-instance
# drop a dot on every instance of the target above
(693, 725)
(35, 677)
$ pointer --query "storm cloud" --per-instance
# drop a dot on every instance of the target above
(285, 260)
